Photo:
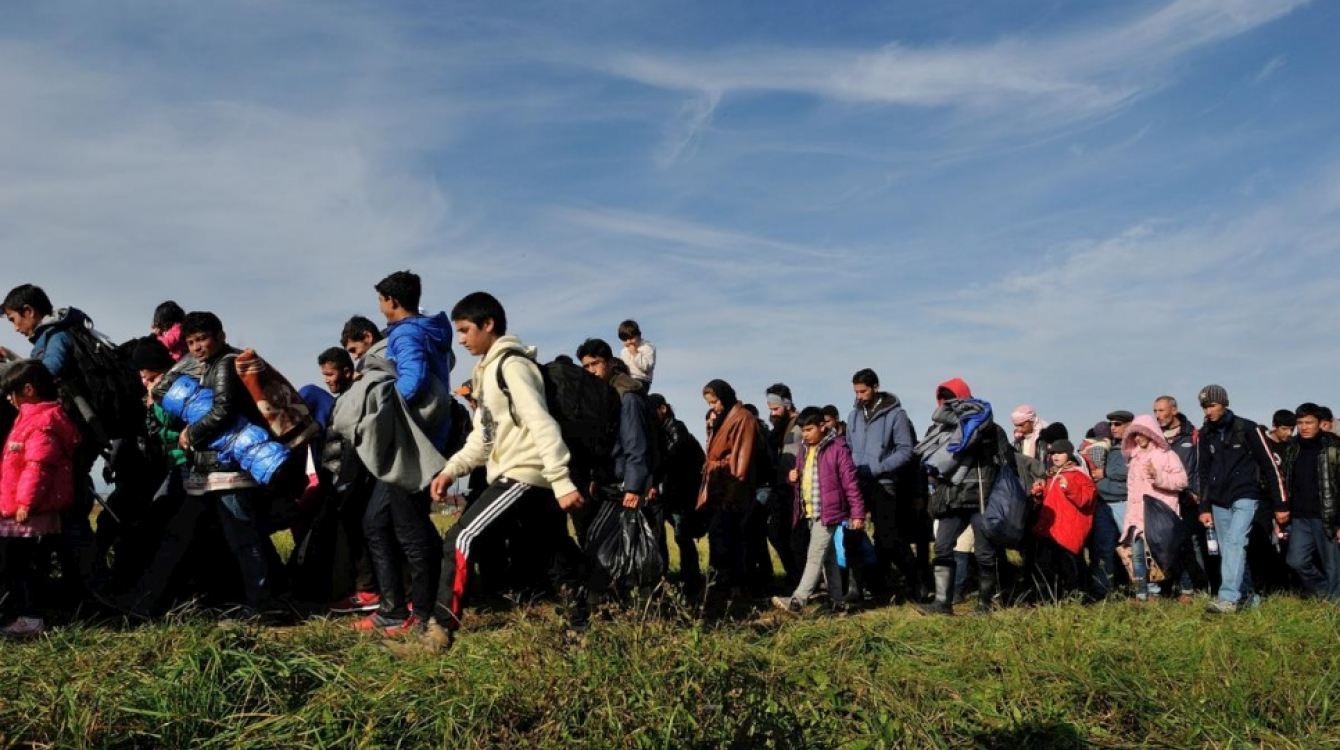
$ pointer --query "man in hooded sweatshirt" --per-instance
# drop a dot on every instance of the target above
(881, 439)
(420, 348)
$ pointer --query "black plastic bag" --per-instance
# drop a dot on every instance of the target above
(1165, 533)
(1005, 518)
(626, 547)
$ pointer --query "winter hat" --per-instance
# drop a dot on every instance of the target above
(1284, 418)
(1102, 430)
(1061, 446)
(1023, 413)
(150, 354)
(656, 400)
(1213, 394)
(1053, 432)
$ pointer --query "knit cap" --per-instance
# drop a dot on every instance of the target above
(1213, 394)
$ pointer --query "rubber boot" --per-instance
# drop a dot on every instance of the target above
(987, 585)
(944, 594)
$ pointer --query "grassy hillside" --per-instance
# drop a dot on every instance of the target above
(1115, 675)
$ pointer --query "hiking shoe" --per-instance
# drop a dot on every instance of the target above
(359, 601)
(1221, 607)
(377, 621)
(409, 625)
(24, 627)
(432, 640)
(787, 605)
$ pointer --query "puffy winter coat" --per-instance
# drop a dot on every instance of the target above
(1169, 474)
(420, 347)
(37, 472)
(839, 493)
(881, 440)
(1066, 515)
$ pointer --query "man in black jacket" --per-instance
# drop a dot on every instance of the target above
(1311, 465)
(239, 500)
(1237, 472)
(678, 482)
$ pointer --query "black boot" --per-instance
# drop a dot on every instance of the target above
(987, 585)
(944, 594)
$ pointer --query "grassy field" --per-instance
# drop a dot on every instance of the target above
(1113, 675)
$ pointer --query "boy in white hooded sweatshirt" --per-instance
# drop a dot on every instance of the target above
(520, 445)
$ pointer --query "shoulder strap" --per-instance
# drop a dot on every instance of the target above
(502, 382)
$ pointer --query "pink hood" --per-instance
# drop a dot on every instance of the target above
(1143, 425)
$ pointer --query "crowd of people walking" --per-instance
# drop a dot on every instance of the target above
(580, 477)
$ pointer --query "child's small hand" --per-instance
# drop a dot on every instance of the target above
(793, 477)
(21, 515)
(183, 442)
(856, 524)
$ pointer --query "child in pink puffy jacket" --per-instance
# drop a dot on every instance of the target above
(1154, 474)
(36, 483)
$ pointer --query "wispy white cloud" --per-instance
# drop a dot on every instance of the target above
(1061, 77)
(1270, 68)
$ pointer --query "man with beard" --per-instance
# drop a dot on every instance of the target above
(787, 538)
(881, 439)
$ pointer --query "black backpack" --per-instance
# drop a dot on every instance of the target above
(586, 409)
(461, 427)
(107, 384)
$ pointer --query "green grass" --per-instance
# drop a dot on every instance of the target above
(1114, 675)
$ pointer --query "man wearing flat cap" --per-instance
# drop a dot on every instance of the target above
(1111, 510)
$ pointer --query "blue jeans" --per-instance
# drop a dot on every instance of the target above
(1232, 525)
(1315, 555)
(1107, 521)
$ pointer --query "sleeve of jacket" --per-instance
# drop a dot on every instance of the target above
(1271, 478)
(850, 487)
(636, 443)
(42, 455)
(1330, 501)
(405, 346)
(644, 358)
(228, 390)
(900, 433)
(1169, 474)
(1203, 473)
(745, 445)
(57, 357)
(1080, 490)
(472, 454)
(1192, 466)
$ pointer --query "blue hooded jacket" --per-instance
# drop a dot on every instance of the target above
(420, 347)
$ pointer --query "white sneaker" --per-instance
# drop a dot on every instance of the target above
(24, 627)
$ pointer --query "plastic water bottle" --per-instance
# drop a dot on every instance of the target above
(1211, 541)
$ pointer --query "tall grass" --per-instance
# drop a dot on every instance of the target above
(1113, 675)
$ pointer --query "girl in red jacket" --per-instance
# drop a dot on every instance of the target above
(36, 483)
(1064, 520)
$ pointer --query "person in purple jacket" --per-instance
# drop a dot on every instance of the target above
(827, 497)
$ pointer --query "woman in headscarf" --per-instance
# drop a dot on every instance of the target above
(728, 480)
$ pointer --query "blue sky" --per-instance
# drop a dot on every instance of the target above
(1076, 205)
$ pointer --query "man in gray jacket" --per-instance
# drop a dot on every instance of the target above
(1110, 514)
(881, 439)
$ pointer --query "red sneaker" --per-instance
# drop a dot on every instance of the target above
(406, 627)
(375, 622)
(359, 601)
